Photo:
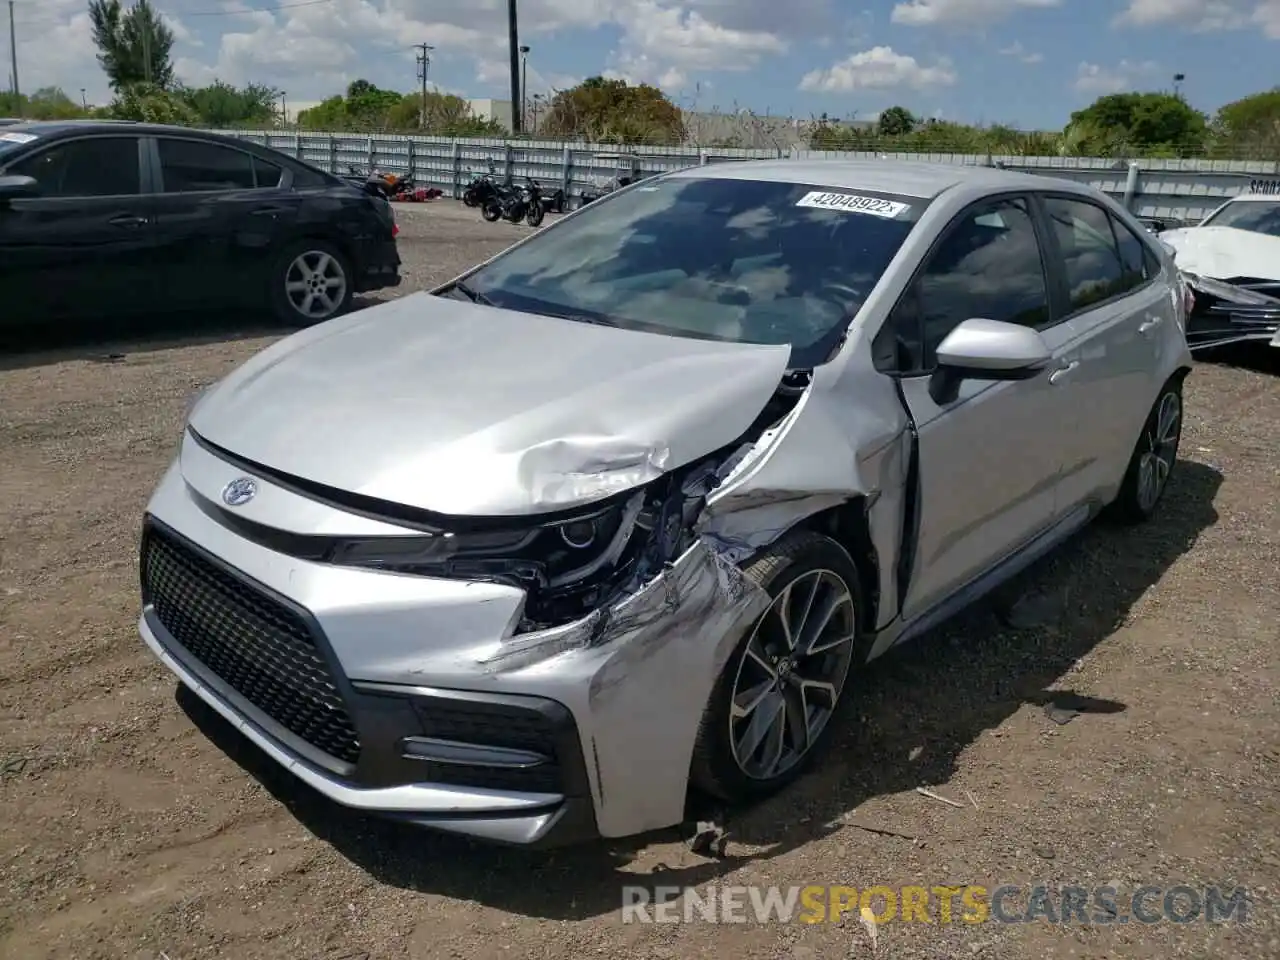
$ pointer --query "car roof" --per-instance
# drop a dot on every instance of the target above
(908, 178)
(50, 129)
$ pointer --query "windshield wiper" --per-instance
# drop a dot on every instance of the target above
(474, 296)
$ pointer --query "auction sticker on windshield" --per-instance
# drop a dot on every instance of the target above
(852, 203)
(16, 137)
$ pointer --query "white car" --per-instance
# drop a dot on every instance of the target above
(1231, 260)
(619, 513)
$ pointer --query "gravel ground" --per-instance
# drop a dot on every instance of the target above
(137, 826)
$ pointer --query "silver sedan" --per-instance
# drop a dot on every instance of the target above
(618, 514)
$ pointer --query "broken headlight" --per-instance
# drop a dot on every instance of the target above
(545, 556)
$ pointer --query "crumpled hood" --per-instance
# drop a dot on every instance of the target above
(464, 409)
(1225, 252)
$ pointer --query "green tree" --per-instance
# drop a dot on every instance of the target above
(149, 103)
(1143, 123)
(365, 107)
(47, 103)
(613, 111)
(221, 105)
(1250, 126)
(134, 45)
(446, 115)
(896, 121)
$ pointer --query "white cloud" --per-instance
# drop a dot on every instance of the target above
(1267, 16)
(1201, 16)
(315, 49)
(930, 13)
(1092, 78)
(1017, 50)
(880, 68)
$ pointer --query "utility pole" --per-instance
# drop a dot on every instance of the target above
(424, 64)
(13, 61)
(513, 37)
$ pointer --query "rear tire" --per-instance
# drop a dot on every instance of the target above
(311, 282)
(765, 676)
(1153, 461)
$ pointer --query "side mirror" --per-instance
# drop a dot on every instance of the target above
(12, 187)
(980, 349)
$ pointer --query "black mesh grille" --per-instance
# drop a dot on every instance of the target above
(258, 647)
(493, 725)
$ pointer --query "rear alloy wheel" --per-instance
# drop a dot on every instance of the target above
(773, 705)
(1153, 460)
(312, 284)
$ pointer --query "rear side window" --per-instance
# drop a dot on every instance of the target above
(266, 174)
(190, 166)
(94, 167)
(1091, 259)
(1135, 256)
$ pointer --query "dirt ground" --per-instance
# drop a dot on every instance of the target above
(135, 825)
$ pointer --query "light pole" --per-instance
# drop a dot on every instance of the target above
(513, 41)
(284, 110)
(524, 86)
(84, 100)
(1177, 84)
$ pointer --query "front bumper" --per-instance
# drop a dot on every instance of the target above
(401, 696)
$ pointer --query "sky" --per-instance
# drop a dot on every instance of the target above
(1026, 63)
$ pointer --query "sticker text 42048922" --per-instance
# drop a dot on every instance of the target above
(851, 203)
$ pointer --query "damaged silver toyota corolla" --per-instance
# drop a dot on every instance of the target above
(618, 513)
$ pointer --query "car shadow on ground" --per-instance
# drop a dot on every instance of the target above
(1258, 356)
(115, 340)
(916, 711)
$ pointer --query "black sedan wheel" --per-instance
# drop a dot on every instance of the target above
(311, 283)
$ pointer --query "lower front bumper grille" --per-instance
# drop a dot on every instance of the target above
(259, 647)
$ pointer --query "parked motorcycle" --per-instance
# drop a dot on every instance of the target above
(499, 202)
(517, 203)
(480, 190)
(372, 182)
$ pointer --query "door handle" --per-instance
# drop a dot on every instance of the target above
(268, 211)
(1150, 324)
(128, 220)
(1061, 373)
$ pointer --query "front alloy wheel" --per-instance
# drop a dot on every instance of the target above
(771, 709)
(791, 674)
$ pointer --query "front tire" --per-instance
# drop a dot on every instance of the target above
(491, 211)
(535, 215)
(311, 282)
(469, 198)
(770, 712)
(1153, 459)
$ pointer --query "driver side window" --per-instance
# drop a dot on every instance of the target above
(988, 265)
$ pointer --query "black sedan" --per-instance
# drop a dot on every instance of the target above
(101, 218)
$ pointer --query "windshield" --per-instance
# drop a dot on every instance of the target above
(748, 261)
(1258, 216)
